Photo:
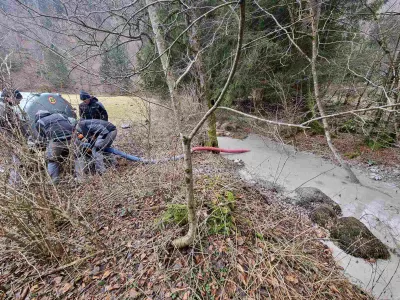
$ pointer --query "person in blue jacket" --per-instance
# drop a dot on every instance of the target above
(91, 107)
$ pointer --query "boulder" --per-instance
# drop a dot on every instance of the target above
(310, 197)
(356, 239)
(228, 126)
(324, 215)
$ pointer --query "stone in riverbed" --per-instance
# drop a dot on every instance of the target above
(356, 239)
(324, 216)
(310, 197)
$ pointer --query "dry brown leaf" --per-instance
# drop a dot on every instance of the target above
(292, 278)
(186, 295)
(112, 287)
(133, 293)
(273, 281)
(106, 274)
(334, 289)
(34, 288)
(65, 288)
(243, 278)
(240, 268)
(57, 280)
(371, 260)
(240, 241)
(230, 288)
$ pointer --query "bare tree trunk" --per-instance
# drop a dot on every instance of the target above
(161, 47)
(191, 201)
(186, 141)
(315, 8)
(204, 91)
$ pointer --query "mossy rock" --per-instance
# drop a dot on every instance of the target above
(356, 239)
(310, 197)
(324, 216)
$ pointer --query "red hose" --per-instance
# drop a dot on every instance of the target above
(219, 150)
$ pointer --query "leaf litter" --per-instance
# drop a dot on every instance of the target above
(271, 249)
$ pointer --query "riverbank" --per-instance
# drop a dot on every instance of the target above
(375, 203)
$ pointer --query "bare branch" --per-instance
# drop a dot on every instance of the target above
(352, 112)
(264, 120)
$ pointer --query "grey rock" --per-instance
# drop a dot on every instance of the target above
(228, 126)
(324, 216)
(310, 197)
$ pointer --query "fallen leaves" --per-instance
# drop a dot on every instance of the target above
(110, 288)
(273, 281)
(133, 293)
(106, 274)
(334, 289)
(57, 280)
(292, 278)
(65, 288)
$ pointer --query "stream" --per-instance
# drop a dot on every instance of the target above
(375, 203)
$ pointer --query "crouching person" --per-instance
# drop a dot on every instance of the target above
(56, 129)
(100, 135)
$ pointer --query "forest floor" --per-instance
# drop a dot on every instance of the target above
(249, 245)
(259, 248)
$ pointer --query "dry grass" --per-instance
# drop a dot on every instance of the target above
(273, 252)
(114, 247)
(120, 108)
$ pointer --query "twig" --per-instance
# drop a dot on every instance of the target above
(262, 119)
(75, 262)
(350, 112)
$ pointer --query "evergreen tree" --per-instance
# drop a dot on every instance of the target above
(56, 71)
(115, 67)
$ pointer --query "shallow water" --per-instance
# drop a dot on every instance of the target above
(376, 203)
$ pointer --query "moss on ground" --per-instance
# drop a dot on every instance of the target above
(221, 220)
(176, 213)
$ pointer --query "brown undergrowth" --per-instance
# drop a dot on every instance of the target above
(271, 251)
(111, 242)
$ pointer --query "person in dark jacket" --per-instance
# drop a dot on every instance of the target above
(56, 129)
(11, 127)
(91, 108)
(100, 134)
(8, 118)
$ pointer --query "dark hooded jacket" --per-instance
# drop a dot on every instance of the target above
(93, 110)
(53, 127)
(94, 128)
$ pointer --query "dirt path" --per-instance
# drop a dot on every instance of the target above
(376, 204)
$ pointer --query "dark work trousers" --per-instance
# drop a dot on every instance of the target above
(56, 152)
(97, 154)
